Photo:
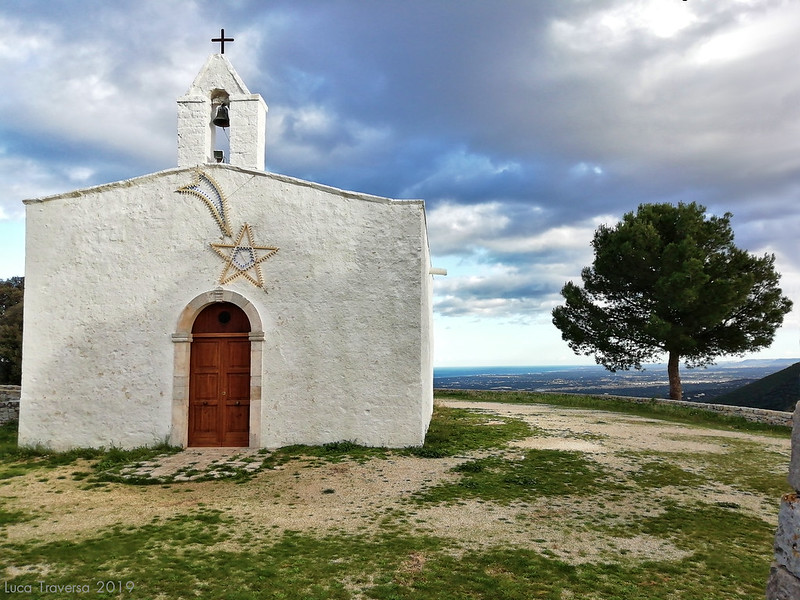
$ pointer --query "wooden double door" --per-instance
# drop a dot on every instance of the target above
(219, 378)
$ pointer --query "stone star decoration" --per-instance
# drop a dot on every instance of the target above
(243, 259)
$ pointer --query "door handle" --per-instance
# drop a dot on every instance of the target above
(205, 403)
(238, 403)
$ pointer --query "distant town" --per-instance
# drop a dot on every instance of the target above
(699, 384)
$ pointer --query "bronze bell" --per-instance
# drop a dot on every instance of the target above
(221, 118)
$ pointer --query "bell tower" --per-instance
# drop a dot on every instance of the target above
(218, 99)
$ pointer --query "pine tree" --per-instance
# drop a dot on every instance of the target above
(668, 280)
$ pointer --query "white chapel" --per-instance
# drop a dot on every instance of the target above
(217, 304)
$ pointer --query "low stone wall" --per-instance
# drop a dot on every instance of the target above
(9, 403)
(784, 577)
(756, 415)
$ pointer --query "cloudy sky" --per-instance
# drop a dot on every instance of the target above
(524, 124)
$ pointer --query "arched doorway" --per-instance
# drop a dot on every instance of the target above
(219, 377)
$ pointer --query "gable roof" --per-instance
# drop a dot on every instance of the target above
(135, 181)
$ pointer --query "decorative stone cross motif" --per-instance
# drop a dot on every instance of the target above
(222, 39)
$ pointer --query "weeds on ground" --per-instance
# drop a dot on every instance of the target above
(452, 431)
(768, 479)
(538, 473)
(332, 452)
(456, 431)
(18, 460)
(663, 473)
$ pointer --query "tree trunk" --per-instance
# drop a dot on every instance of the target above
(675, 390)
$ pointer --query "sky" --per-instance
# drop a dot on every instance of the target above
(523, 124)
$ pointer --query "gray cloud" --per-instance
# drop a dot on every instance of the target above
(524, 125)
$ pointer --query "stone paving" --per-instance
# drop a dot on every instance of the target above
(197, 463)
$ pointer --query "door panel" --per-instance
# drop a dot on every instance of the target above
(238, 387)
(206, 386)
(205, 355)
(237, 431)
(237, 409)
(203, 393)
(219, 378)
(203, 424)
(206, 419)
(238, 355)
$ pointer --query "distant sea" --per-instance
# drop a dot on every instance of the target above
(700, 385)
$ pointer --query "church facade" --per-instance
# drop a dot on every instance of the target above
(217, 304)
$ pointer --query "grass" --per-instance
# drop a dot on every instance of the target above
(726, 468)
(16, 461)
(655, 410)
(452, 431)
(172, 559)
(538, 473)
(455, 431)
(659, 474)
(13, 516)
(721, 550)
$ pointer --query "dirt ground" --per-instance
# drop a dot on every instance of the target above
(350, 497)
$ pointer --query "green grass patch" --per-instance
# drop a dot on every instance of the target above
(538, 473)
(114, 459)
(24, 460)
(10, 517)
(333, 452)
(177, 558)
(20, 460)
(452, 431)
(8, 437)
(746, 466)
(730, 549)
(456, 431)
(37, 456)
(663, 473)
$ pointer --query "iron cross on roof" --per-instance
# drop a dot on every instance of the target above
(222, 39)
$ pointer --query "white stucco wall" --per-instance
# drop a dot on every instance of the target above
(346, 311)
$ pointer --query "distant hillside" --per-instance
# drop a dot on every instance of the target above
(779, 391)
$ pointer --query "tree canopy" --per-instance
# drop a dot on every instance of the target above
(669, 280)
(11, 291)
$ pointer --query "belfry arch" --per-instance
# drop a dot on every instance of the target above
(218, 83)
(182, 343)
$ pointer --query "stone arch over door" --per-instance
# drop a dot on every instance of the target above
(182, 339)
